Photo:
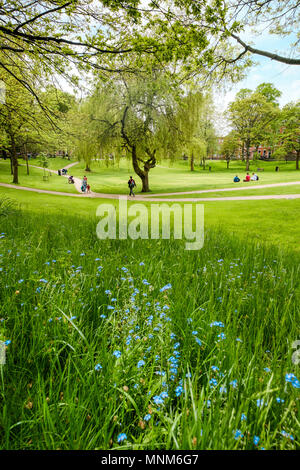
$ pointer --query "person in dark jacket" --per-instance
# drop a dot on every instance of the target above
(131, 185)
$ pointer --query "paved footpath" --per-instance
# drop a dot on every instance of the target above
(152, 199)
(200, 191)
(77, 180)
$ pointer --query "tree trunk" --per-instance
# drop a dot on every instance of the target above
(14, 160)
(150, 163)
(204, 163)
(145, 183)
(297, 160)
(247, 157)
(192, 162)
(243, 153)
(228, 164)
(26, 158)
(143, 174)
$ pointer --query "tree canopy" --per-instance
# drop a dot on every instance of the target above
(287, 136)
(250, 115)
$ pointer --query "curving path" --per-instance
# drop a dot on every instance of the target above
(77, 180)
(258, 186)
(152, 199)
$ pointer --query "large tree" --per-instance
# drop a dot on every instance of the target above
(288, 132)
(224, 22)
(195, 123)
(16, 117)
(25, 126)
(250, 116)
(59, 37)
(137, 112)
(230, 147)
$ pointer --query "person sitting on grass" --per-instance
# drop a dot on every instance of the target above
(247, 178)
(254, 177)
(236, 179)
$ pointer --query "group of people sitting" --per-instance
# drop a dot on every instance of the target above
(85, 187)
(254, 177)
(64, 171)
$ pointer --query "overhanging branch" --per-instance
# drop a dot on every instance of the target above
(270, 55)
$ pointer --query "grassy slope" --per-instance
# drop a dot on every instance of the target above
(294, 189)
(271, 221)
(52, 396)
(35, 179)
(179, 178)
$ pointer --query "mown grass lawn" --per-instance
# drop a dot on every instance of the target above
(272, 221)
(178, 177)
(35, 178)
(252, 191)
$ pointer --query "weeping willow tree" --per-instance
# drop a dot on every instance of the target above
(148, 125)
(197, 147)
(83, 138)
(86, 151)
(195, 124)
(103, 123)
(136, 114)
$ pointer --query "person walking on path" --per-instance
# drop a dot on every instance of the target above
(84, 184)
(131, 184)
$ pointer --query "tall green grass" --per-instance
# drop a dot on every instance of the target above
(143, 345)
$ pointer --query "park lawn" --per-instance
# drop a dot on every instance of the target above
(35, 179)
(162, 179)
(235, 165)
(143, 345)
(274, 222)
(253, 191)
(56, 163)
